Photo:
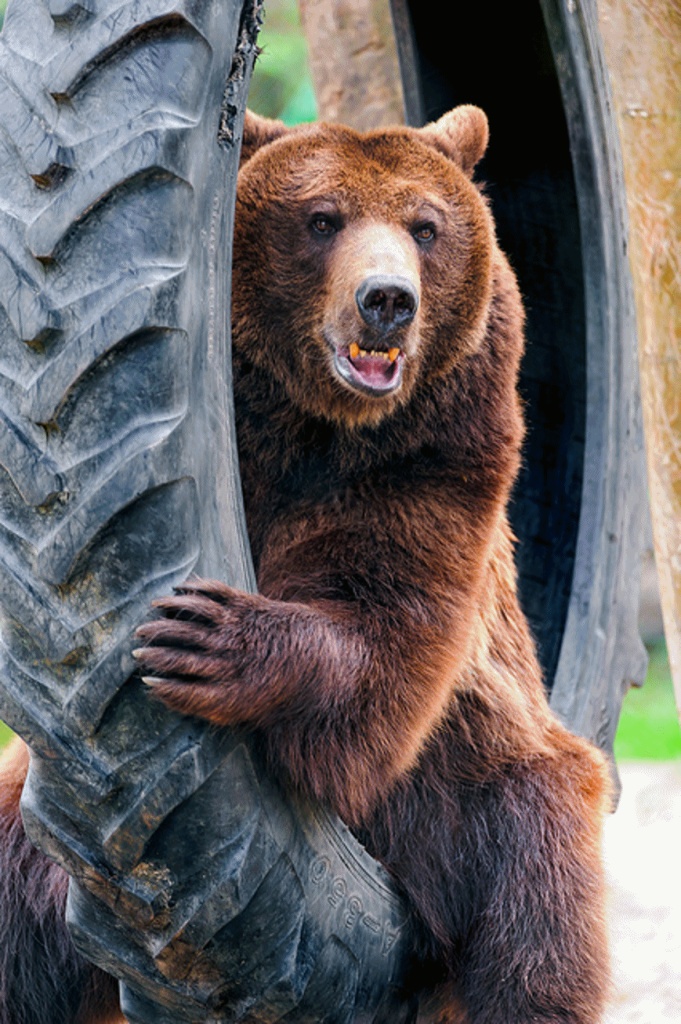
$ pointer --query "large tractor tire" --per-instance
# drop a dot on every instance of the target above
(194, 880)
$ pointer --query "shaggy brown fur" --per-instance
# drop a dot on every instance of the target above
(42, 978)
(386, 662)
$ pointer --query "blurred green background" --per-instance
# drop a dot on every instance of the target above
(281, 87)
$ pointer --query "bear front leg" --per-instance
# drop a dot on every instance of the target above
(326, 696)
(236, 658)
(537, 952)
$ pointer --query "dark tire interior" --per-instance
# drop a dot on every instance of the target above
(503, 63)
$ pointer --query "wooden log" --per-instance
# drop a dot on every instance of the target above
(361, 77)
(642, 40)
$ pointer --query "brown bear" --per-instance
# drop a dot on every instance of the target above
(385, 664)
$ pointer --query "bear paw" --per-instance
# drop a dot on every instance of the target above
(195, 654)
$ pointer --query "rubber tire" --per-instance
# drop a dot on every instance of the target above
(196, 882)
(553, 174)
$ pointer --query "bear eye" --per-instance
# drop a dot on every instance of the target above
(424, 233)
(323, 224)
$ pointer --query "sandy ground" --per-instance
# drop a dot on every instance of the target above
(643, 860)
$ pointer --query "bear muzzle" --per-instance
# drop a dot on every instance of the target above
(387, 304)
(373, 307)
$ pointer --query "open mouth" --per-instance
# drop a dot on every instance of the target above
(374, 372)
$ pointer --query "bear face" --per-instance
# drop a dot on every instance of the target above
(341, 240)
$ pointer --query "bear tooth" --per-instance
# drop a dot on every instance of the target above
(354, 350)
(393, 353)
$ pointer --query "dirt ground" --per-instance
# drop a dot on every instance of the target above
(643, 860)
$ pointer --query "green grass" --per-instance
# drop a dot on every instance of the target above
(5, 731)
(649, 724)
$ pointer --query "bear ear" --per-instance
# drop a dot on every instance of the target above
(258, 132)
(461, 135)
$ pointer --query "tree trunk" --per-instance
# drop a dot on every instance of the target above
(642, 47)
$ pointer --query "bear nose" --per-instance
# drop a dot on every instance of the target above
(386, 302)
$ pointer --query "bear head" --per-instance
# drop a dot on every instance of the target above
(362, 262)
